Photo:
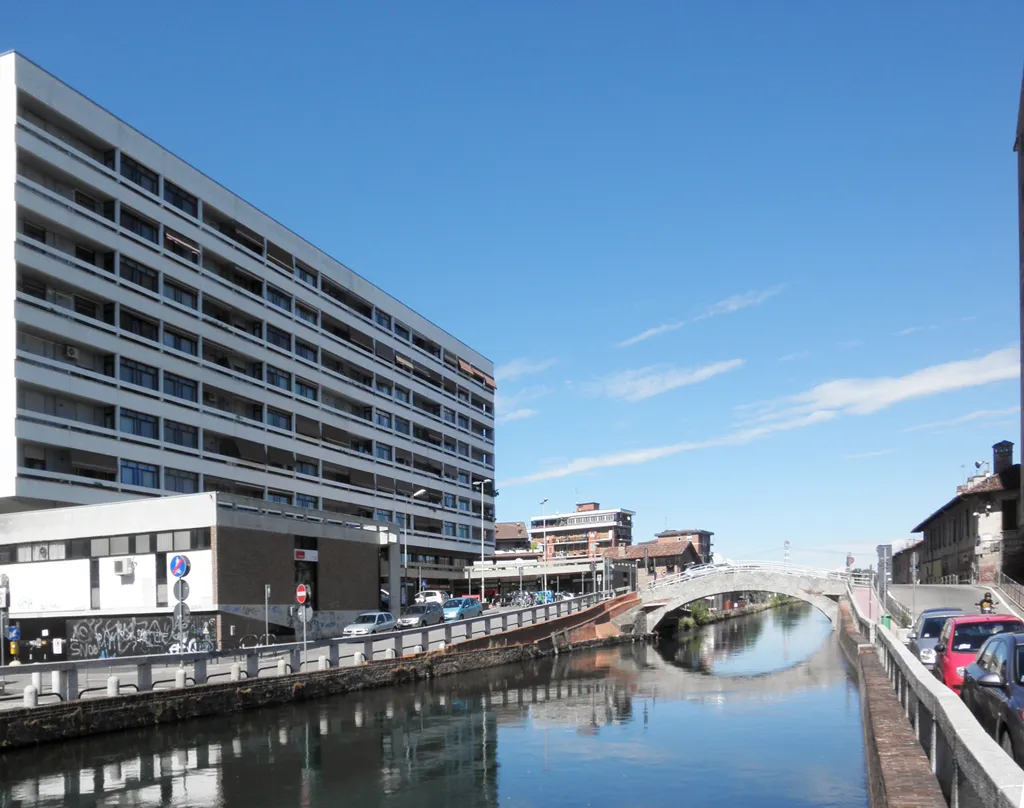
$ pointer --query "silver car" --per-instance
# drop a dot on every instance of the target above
(422, 614)
(369, 623)
(925, 635)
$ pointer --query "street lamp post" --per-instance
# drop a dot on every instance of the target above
(544, 529)
(405, 543)
(483, 485)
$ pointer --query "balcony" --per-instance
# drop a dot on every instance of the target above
(351, 336)
(65, 185)
(347, 299)
(71, 353)
(251, 453)
(70, 462)
(66, 131)
(342, 367)
(233, 274)
(231, 404)
(56, 404)
(232, 317)
(236, 231)
(57, 293)
(232, 360)
(211, 483)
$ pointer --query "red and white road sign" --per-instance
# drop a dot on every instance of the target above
(301, 594)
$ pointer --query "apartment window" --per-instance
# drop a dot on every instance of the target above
(182, 200)
(464, 477)
(275, 336)
(34, 231)
(180, 342)
(463, 395)
(401, 394)
(181, 434)
(180, 387)
(281, 420)
(279, 378)
(305, 350)
(449, 500)
(305, 501)
(384, 386)
(279, 496)
(305, 274)
(464, 532)
(87, 254)
(309, 315)
(383, 451)
(135, 223)
(306, 390)
(142, 474)
(464, 505)
(32, 286)
(181, 245)
(139, 174)
(306, 467)
(383, 319)
(1009, 514)
(463, 421)
(449, 445)
(401, 425)
(136, 423)
(138, 274)
(384, 419)
(181, 482)
(382, 515)
(136, 324)
(449, 528)
(181, 294)
(463, 449)
(137, 373)
(278, 298)
(449, 415)
(402, 331)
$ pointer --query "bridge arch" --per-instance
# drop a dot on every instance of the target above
(821, 589)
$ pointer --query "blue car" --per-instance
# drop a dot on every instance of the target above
(461, 608)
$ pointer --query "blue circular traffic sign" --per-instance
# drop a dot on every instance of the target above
(13, 633)
(180, 565)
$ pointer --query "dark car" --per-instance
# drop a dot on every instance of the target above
(994, 691)
(925, 634)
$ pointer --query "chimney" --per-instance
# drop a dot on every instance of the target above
(1002, 456)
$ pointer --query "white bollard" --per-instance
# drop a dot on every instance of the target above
(321, 663)
(358, 658)
(180, 680)
(37, 681)
(389, 653)
(282, 668)
(236, 673)
(441, 646)
(31, 696)
(113, 686)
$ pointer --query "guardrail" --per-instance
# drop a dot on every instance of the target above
(898, 610)
(315, 654)
(1013, 590)
(703, 570)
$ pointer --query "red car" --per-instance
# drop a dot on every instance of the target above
(960, 640)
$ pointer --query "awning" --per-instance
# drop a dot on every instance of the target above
(465, 367)
(405, 363)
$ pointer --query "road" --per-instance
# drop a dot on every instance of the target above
(957, 597)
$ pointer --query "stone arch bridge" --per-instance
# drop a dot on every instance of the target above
(821, 588)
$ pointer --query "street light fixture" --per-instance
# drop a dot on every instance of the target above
(405, 543)
(482, 484)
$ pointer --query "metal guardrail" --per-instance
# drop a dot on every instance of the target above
(1012, 590)
(704, 570)
(898, 610)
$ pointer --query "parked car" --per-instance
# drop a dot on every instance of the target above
(924, 636)
(564, 596)
(369, 623)
(422, 614)
(962, 638)
(994, 692)
(462, 608)
(432, 596)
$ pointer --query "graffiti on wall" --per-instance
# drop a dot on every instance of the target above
(100, 637)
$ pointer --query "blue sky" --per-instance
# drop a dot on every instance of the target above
(745, 268)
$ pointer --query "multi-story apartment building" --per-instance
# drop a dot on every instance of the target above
(589, 531)
(163, 336)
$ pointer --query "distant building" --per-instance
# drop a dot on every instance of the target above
(701, 541)
(588, 531)
(659, 557)
(975, 535)
(902, 563)
(1018, 146)
(512, 538)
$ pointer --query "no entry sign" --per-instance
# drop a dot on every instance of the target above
(301, 594)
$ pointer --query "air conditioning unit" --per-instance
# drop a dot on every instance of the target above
(71, 352)
(124, 566)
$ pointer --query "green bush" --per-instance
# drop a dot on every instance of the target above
(699, 612)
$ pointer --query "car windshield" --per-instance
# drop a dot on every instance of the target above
(971, 636)
(366, 618)
(932, 627)
(416, 610)
(454, 603)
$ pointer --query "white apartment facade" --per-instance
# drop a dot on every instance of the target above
(589, 531)
(162, 336)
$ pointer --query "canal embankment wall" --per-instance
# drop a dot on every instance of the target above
(898, 770)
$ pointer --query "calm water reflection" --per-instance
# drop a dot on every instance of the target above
(754, 711)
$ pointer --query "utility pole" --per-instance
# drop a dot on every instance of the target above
(544, 529)
(266, 614)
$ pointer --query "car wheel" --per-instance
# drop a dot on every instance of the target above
(1007, 743)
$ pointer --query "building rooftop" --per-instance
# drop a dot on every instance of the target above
(1008, 480)
(511, 531)
(651, 549)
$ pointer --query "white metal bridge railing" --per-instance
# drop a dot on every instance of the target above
(704, 570)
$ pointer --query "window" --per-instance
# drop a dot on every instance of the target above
(401, 330)
(135, 223)
(971, 636)
(180, 387)
(309, 315)
(383, 319)
(136, 324)
(87, 254)
(279, 378)
(279, 496)
(306, 389)
(278, 298)
(401, 425)
(449, 528)
(1009, 514)
(181, 245)
(181, 294)
(449, 500)
(182, 200)
(137, 373)
(34, 231)
(139, 174)
(464, 477)
(449, 444)
(401, 394)
(181, 434)
(463, 421)
(275, 336)
(464, 505)
(305, 350)
(384, 386)
(305, 501)
(143, 474)
(305, 274)
(281, 420)
(136, 423)
(383, 451)
(180, 342)
(464, 532)
(382, 515)
(138, 274)
(463, 449)
(384, 419)
(306, 467)
(449, 415)
(181, 482)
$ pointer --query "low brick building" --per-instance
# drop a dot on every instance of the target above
(659, 557)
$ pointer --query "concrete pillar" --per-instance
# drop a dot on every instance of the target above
(334, 655)
(37, 681)
(447, 634)
(487, 625)
(368, 649)
(236, 673)
(424, 641)
(394, 576)
(71, 685)
(31, 696)
(504, 622)
(934, 753)
(144, 676)
(56, 682)
(199, 671)
(252, 666)
(180, 679)
(295, 660)
(399, 645)
(282, 667)
(113, 686)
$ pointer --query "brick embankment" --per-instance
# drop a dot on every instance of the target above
(899, 773)
(63, 721)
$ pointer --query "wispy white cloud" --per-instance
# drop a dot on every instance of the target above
(865, 455)
(728, 306)
(852, 343)
(514, 406)
(639, 456)
(793, 357)
(643, 383)
(517, 368)
(517, 415)
(915, 329)
(977, 415)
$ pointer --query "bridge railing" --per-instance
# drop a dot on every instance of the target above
(704, 570)
(1013, 590)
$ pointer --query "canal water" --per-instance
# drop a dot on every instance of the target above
(761, 711)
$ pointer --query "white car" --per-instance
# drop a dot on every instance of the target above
(432, 596)
(369, 623)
